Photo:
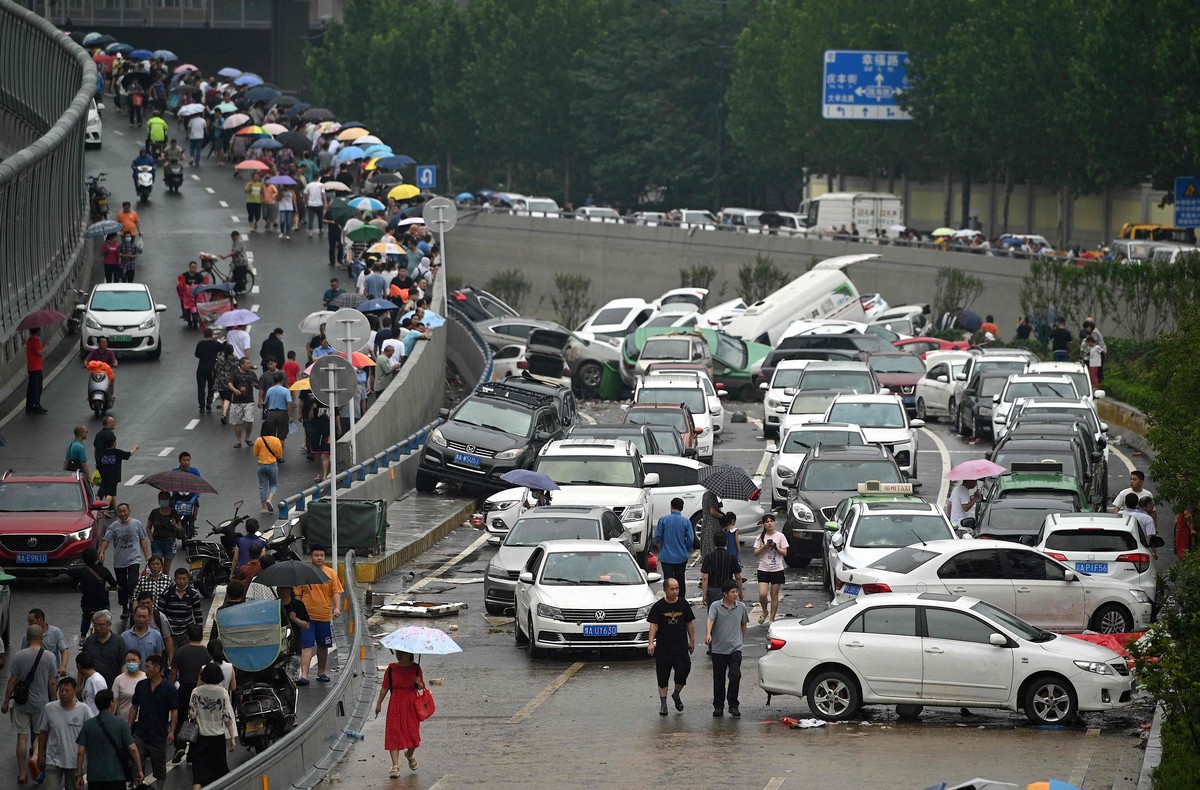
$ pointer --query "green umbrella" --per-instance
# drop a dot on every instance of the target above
(365, 234)
(227, 107)
(341, 210)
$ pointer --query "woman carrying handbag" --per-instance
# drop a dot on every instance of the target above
(211, 713)
(411, 703)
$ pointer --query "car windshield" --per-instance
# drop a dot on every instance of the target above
(591, 567)
(114, 301)
(634, 437)
(868, 415)
(897, 363)
(1016, 520)
(692, 397)
(991, 385)
(904, 560)
(46, 497)
(858, 382)
(803, 441)
(580, 470)
(673, 348)
(1083, 385)
(816, 618)
(670, 319)
(895, 325)
(1039, 389)
(668, 440)
(672, 417)
(1081, 413)
(611, 316)
(896, 530)
(542, 205)
(532, 531)
(1009, 621)
(488, 414)
(1007, 456)
(1000, 366)
(846, 475)
(788, 377)
(811, 404)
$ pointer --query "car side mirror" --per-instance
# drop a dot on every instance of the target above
(160, 308)
(915, 483)
(99, 504)
(884, 391)
(1098, 394)
(690, 452)
(772, 449)
(1103, 427)
(1000, 419)
(960, 377)
(996, 398)
(1156, 542)
(81, 306)
(764, 386)
(998, 640)
(1102, 442)
(494, 540)
(968, 523)
(917, 424)
(444, 414)
(650, 480)
(838, 541)
(651, 578)
(697, 431)
(543, 436)
(781, 410)
(722, 393)
(1069, 575)
(944, 379)
(526, 577)
(789, 392)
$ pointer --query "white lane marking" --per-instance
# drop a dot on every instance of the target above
(775, 783)
(45, 383)
(133, 480)
(210, 190)
(217, 599)
(118, 133)
(191, 426)
(1084, 758)
(197, 178)
(763, 464)
(545, 693)
(945, 485)
(442, 783)
(254, 288)
(234, 218)
(450, 563)
(589, 419)
(223, 204)
(1129, 466)
(164, 452)
(254, 308)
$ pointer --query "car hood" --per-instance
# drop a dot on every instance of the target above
(1079, 650)
(120, 317)
(482, 437)
(623, 596)
(512, 558)
(821, 499)
(507, 495)
(897, 379)
(603, 496)
(43, 523)
(887, 435)
(790, 460)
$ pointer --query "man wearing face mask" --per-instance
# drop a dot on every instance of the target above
(127, 255)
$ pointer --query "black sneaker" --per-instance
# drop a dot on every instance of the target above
(678, 702)
(718, 713)
(662, 707)
(735, 712)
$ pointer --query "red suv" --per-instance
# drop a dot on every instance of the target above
(46, 521)
(677, 417)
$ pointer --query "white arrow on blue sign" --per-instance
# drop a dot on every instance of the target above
(864, 86)
(427, 176)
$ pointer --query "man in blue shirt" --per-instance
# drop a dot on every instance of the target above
(278, 404)
(674, 536)
(375, 284)
(415, 333)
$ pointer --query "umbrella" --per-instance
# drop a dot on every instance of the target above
(286, 181)
(275, 128)
(357, 359)
(236, 318)
(377, 306)
(248, 80)
(341, 211)
(251, 129)
(327, 127)
(286, 101)
(395, 162)
(141, 54)
(186, 90)
(186, 67)
(976, 469)
(318, 114)
(227, 106)
(349, 154)
(90, 39)
(229, 72)
(166, 55)
(131, 77)
(301, 384)
(404, 192)
(313, 321)
(297, 109)
(726, 481)
(366, 204)
(386, 179)
(363, 140)
(190, 109)
(251, 164)
(897, 229)
(346, 300)
(335, 186)
(99, 230)
(378, 150)
(267, 144)
(365, 234)
(966, 233)
(103, 57)
(40, 318)
(417, 639)
(102, 41)
(530, 479)
(353, 133)
(185, 482)
(385, 248)
(235, 120)
(262, 93)
(117, 48)
(291, 573)
(463, 197)
(942, 232)
(404, 223)
(296, 141)
(352, 124)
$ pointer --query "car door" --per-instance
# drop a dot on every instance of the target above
(524, 589)
(674, 480)
(613, 528)
(933, 390)
(883, 647)
(960, 664)
(1044, 597)
(979, 574)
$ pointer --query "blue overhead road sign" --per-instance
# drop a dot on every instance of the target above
(862, 85)
(427, 176)
(1187, 202)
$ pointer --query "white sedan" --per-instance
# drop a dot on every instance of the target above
(938, 650)
(583, 594)
(1016, 578)
(935, 390)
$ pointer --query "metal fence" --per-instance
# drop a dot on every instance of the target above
(158, 13)
(46, 85)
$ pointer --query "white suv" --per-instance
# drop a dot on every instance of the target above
(1102, 544)
(884, 421)
(655, 389)
(711, 393)
(778, 393)
(93, 135)
(1028, 385)
(126, 314)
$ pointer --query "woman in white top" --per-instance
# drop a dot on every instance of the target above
(126, 682)
(770, 547)
(216, 650)
(212, 711)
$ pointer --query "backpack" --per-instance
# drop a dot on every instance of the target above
(137, 99)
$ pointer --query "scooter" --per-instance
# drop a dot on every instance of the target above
(97, 197)
(75, 319)
(101, 393)
(144, 181)
(280, 540)
(265, 702)
(210, 563)
(173, 176)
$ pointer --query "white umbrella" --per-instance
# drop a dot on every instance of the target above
(367, 140)
(410, 221)
(420, 640)
(237, 119)
(312, 322)
(237, 318)
(965, 233)
(897, 229)
(190, 109)
(335, 186)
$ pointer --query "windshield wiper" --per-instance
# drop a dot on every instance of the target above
(560, 579)
(491, 427)
(461, 421)
(1043, 636)
(606, 581)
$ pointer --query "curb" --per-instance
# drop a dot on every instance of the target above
(372, 570)
(1153, 755)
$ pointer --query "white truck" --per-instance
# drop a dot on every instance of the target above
(870, 211)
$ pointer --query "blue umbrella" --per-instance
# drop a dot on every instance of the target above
(376, 306)
(266, 144)
(366, 204)
(141, 54)
(298, 109)
(166, 55)
(286, 181)
(431, 320)
(99, 230)
(118, 48)
(461, 197)
(528, 478)
(395, 162)
(262, 93)
(378, 150)
(487, 194)
(229, 72)
(349, 154)
(249, 80)
(103, 41)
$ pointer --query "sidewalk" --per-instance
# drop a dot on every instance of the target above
(415, 522)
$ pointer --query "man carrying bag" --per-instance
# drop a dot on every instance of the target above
(106, 747)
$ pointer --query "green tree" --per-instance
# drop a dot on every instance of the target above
(1173, 428)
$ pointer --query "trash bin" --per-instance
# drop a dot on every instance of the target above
(610, 382)
(362, 525)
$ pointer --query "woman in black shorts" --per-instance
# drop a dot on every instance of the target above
(770, 547)
(319, 444)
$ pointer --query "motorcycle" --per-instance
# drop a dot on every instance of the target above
(144, 181)
(75, 319)
(209, 563)
(97, 197)
(280, 540)
(101, 392)
(173, 175)
(257, 645)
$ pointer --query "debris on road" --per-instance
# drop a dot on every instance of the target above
(420, 609)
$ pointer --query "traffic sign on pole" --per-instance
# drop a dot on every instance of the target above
(1187, 202)
(334, 384)
(442, 215)
(862, 85)
(427, 176)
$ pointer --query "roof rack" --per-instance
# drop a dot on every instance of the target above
(510, 393)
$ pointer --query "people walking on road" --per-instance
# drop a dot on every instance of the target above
(107, 431)
(108, 464)
(402, 679)
(296, 616)
(127, 255)
(314, 207)
(110, 250)
(226, 365)
(53, 639)
(197, 128)
(210, 707)
(35, 669)
(725, 633)
(1133, 507)
(672, 641)
(131, 222)
(190, 658)
(337, 250)
(241, 413)
(719, 568)
(186, 503)
(101, 739)
(272, 348)
(1137, 485)
(207, 352)
(674, 536)
(131, 546)
(324, 602)
(126, 683)
(90, 682)
(254, 196)
(770, 547)
(153, 717)
(270, 206)
(268, 450)
(287, 212)
(182, 605)
(141, 637)
(95, 582)
(277, 405)
(164, 528)
(62, 721)
(710, 522)
(76, 460)
(34, 359)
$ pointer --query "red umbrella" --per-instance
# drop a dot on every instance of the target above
(40, 318)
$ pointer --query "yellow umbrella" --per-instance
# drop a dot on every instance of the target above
(301, 384)
(385, 248)
(371, 164)
(404, 192)
(353, 133)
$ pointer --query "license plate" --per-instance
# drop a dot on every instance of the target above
(197, 565)
(1091, 567)
(599, 630)
(255, 726)
(121, 338)
(466, 460)
(31, 558)
(852, 589)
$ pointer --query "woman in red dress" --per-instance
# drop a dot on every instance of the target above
(403, 679)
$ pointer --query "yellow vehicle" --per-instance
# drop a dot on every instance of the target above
(1151, 232)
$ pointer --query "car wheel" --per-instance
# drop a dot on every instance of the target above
(827, 580)
(1111, 619)
(589, 375)
(534, 650)
(909, 711)
(921, 409)
(797, 562)
(1050, 700)
(156, 354)
(747, 393)
(425, 482)
(707, 459)
(833, 696)
(696, 519)
(950, 410)
(518, 634)
(493, 608)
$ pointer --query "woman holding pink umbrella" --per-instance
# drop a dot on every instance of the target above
(964, 497)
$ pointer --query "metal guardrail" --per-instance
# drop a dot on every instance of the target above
(477, 336)
(306, 755)
(46, 86)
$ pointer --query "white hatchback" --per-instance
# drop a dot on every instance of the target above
(670, 390)
(126, 314)
(1107, 545)
(794, 448)
(779, 391)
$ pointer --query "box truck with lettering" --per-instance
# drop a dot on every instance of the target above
(870, 211)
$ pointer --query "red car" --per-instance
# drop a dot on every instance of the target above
(46, 522)
(899, 371)
(923, 345)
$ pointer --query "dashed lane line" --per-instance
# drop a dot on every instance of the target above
(254, 308)
(164, 452)
(223, 204)
(234, 217)
(191, 426)
(775, 783)
(535, 703)
(133, 480)
(197, 178)
(210, 190)
(254, 288)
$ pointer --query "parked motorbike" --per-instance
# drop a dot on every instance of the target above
(265, 701)
(173, 175)
(280, 540)
(101, 393)
(97, 197)
(144, 181)
(75, 319)
(210, 563)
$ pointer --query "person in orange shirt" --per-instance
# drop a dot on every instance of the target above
(34, 351)
(129, 219)
(270, 199)
(989, 325)
(324, 602)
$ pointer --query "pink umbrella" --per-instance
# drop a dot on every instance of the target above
(274, 128)
(185, 67)
(975, 470)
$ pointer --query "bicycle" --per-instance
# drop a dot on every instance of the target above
(242, 277)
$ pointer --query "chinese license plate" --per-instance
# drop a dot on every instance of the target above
(853, 589)
(466, 460)
(31, 558)
(121, 338)
(599, 630)
(1091, 567)
(258, 725)
(197, 565)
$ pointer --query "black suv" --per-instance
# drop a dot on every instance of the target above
(828, 475)
(494, 430)
(973, 417)
(568, 410)
(479, 305)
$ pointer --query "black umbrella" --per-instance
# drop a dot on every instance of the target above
(286, 101)
(186, 90)
(296, 141)
(727, 482)
(297, 109)
(318, 114)
(291, 573)
(348, 300)
(136, 76)
(770, 219)
(386, 179)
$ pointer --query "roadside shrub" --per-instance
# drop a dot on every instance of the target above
(759, 279)
(511, 286)
(954, 288)
(698, 275)
(571, 302)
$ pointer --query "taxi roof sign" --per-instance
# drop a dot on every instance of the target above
(876, 487)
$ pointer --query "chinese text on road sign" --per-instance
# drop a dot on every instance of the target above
(864, 86)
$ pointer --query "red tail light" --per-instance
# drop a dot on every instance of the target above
(566, 372)
(755, 495)
(775, 644)
(523, 365)
(1140, 561)
(1057, 556)
(871, 589)
(460, 297)
(838, 583)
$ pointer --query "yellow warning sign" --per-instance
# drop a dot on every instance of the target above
(1191, 190)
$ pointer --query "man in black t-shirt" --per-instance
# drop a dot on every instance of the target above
(672, 640)
(187, 662)
(207, 351)
(1060, 340)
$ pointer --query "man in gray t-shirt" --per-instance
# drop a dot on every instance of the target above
(131, 547)
(27, 716)
(725, 634)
